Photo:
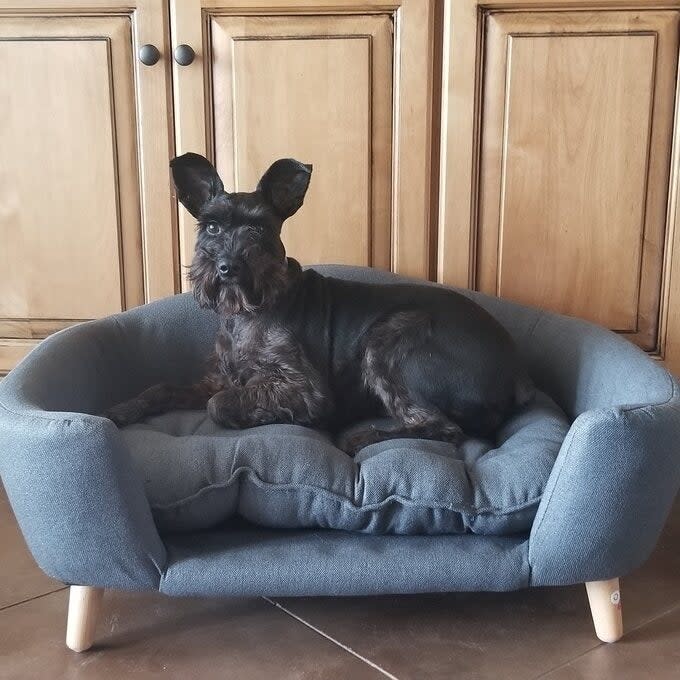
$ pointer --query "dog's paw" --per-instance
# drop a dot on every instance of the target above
(356, 441)
(221, 410)
(123, 414)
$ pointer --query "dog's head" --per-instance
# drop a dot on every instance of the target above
(240, 263)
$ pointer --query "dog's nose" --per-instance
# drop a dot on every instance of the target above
(226, 269)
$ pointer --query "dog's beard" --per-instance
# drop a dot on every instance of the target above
(248, 294)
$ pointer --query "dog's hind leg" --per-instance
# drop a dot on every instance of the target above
(426, 425)
(389, 346)
(162, 398)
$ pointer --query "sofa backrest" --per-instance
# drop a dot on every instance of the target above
(99, 363)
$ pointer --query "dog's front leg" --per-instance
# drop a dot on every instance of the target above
(160, 399)
(296, 397)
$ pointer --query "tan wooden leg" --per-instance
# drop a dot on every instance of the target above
(83, 609)
(605, 606)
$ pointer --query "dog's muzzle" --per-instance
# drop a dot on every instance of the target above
(227, 271)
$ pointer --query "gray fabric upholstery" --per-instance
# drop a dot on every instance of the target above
(84, 514)
(327, 562)
(78, 501)
(198, 474)
(609, 494)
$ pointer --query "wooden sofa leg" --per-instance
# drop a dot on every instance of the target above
(83, 610)
(605, 606)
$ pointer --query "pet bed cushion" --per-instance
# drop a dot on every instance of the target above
(197, 475)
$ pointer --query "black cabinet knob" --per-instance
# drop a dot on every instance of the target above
(149, 55)
(184, 55)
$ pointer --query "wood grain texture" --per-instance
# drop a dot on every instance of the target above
(461, 61)
(317, 89)
(575, 164)
(33, 329)
(69, 198)
(367, 6)
(670, 307)
(604, 598)
(151, 24)
(271, 7)
(414, 41)
(566, 232)
(84, 605)
(400, 92)
(86, 191)
(191, 93)
(316, 7)
(12, 351)
(572, 4)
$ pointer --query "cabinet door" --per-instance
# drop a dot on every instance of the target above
(576, 125)
(575, 164)
(74, 226)
(320, 88)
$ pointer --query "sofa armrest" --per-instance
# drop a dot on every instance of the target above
(92, 366)
(609, 493)
(80, 507)
(66, 470)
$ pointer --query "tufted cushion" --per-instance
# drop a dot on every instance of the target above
(198, 474)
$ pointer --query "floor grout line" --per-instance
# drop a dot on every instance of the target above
(566, 663)
(30, 599)
(642, 624)
(331, 639)
(651, 619)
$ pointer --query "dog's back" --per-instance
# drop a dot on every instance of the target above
(452, 352)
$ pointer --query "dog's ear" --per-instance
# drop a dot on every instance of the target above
(284, 185)
(196, 180)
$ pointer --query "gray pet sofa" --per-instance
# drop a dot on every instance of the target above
(82, 494)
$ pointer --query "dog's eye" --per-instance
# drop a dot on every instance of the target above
(213, 229)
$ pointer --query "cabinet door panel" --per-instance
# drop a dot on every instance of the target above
(69, 197)
(344, 86)
(317, 89)
(576, 133)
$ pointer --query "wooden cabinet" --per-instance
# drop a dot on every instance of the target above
(317, 88)
(569, 117)
(84, 137)
(346, 86)
(575, 163)
(89, 223)
(526, 149)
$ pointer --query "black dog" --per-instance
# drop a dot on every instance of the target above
(298, 347)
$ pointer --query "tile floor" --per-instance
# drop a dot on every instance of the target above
(539, 633)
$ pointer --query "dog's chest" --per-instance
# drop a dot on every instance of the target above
(254, 346)
(322, 323)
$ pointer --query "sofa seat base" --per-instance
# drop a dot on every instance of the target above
(253, 562)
